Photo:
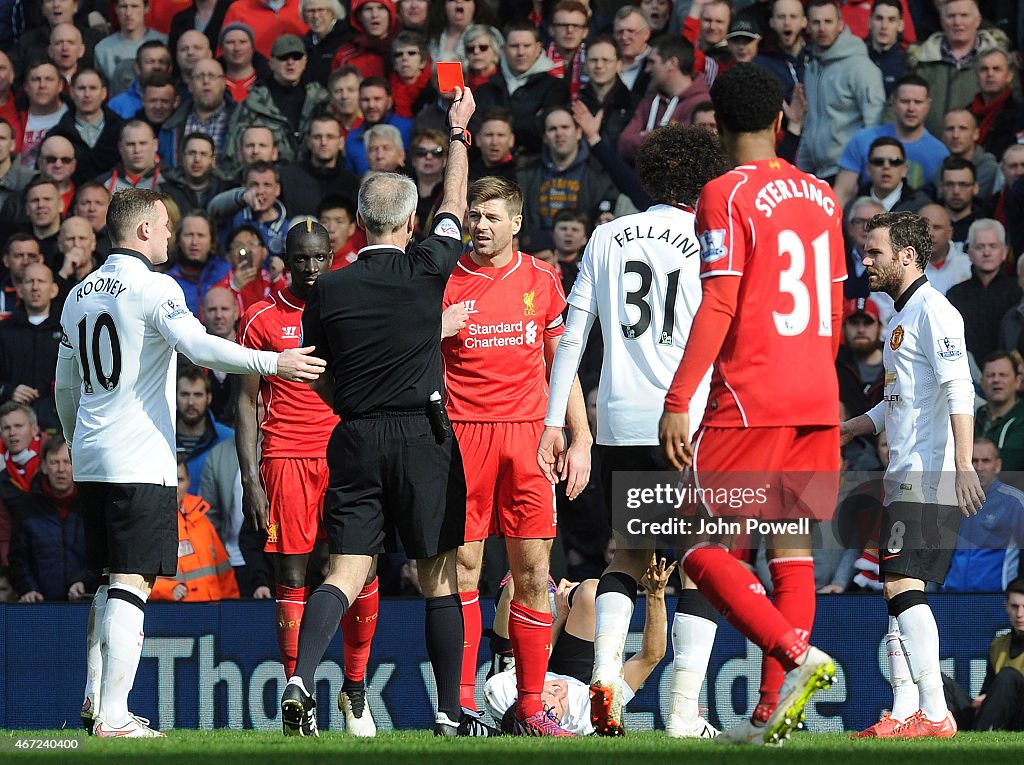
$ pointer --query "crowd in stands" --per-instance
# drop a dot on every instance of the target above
(248, 114)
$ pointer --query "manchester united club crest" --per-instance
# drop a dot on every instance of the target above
(896, 340)
(272, 532)
(528, 298)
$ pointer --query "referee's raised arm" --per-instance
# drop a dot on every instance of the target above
(456, 174)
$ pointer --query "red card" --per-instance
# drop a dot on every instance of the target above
(449, 76)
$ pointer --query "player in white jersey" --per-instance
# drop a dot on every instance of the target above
(122, 328)
(566, 694)
(640, 275)
(927, 412)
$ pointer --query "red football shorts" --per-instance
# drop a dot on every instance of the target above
(773, 473)
(506, 494)
(295, 489)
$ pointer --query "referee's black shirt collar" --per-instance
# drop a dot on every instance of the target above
(131, 253)
(372, 249)
(909, 292)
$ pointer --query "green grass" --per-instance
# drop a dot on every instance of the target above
(230, 747)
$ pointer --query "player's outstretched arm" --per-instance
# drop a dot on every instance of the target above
(254, 498)
(652, 648)
(456, 173)
(300, 365)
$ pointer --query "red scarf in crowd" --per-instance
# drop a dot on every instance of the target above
(476, 80)
(986, 113)
(21, 475)
(62, 504)
(404, 94)
(569, 70)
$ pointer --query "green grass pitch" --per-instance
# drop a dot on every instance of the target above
(231, 747)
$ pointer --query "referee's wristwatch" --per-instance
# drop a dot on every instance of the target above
(460, 134)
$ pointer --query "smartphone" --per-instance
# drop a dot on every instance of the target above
(449, 76)
(244, 257)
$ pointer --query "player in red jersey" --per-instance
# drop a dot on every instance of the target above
(283, 490)
(503, 321)
(772, 265)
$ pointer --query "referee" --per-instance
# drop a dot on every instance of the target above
(395, 468)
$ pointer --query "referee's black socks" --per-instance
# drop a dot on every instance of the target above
(324, 610)
(445, 635)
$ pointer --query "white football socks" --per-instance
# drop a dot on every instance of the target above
(122, 649)
(693, 637)
(920, 636)
(904, 689)
(93, 652)
(612, 612)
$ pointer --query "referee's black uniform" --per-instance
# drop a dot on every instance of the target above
(377, 323)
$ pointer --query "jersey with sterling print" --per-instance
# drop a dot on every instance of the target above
(639, 275)
(780, 232)
(121, 327)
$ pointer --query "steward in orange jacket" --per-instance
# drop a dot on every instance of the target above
(204, 571)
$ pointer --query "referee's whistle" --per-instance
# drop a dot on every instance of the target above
(440, 425)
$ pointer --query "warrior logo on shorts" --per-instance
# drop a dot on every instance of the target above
(528, 298)
(897, 337)
(272, 532)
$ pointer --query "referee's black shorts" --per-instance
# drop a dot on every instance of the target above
(130, 528)
(388, 477)
(917, 540)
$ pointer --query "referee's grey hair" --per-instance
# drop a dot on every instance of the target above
(986, 224)
(390, 132)
(386, 200)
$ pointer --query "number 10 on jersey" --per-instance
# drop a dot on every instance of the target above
(104, 338)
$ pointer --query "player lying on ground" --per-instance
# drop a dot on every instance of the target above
(566, 695)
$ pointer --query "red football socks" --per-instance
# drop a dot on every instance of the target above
(740, 598)
(530, 633)
(291, 602)
(793, 593)
(470, 647)
(357, 628)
